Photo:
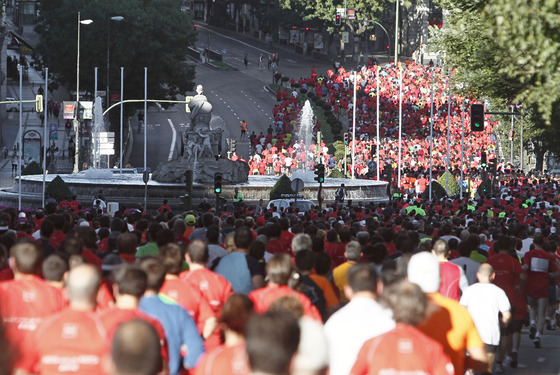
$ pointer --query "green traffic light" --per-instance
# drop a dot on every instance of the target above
(217, 190)
(321, 180)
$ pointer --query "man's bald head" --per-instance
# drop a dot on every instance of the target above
(83, 283)
(136, 349)
(485, 273)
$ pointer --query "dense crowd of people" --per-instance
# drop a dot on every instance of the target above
(278, 291)
(281, 151)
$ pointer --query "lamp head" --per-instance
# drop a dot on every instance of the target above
(86, 22)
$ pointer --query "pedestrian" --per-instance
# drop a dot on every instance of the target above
(340, 194)
(14, 165)
(243, 129)
(261, 62)
(246, 60)
(269, 61)
(140, 121)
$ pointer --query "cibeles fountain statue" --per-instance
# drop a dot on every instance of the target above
(204, 150)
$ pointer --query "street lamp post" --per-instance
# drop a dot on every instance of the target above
(118, 19)
(77, 121)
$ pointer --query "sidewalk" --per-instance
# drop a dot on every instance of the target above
(31, 121)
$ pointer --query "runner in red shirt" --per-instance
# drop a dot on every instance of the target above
(164, 208)
(404, 349)
(279, 272)
(74, 339)
(129, 286)
(183, 294)
(26, 301)
(214, 288)
(230, 358)
(539, 265)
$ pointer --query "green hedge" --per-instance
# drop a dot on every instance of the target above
(282, 186)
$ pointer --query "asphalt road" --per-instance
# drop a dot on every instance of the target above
(235, 95)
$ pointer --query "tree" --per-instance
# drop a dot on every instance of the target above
(153, 34)
(506, 50)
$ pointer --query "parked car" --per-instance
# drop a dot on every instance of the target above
(303, 205)
(14, 107)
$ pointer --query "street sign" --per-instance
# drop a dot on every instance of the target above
(53, 131)
(107, 152)
(297, 185)
(146, 177)
(69, 110)
(88, 110)
(351, 14)
(345, 37)
(106, 137)
(340, 12)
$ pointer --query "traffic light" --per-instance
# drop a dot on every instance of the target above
(345, 138)
(217, 183)
(477, 117)
(39, 103)
(493, 165)
(483, 161)
(233, 145)
(337, 20)
(320, 172)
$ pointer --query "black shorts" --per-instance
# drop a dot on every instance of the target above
(491, 348)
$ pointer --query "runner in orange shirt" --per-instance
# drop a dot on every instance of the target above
(243, 129)
(451, 325)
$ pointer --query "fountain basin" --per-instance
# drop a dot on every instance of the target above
(128, 189)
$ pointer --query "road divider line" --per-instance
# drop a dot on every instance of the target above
(173, 139)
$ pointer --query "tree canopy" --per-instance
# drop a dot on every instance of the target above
(152, 34)
(506, 50)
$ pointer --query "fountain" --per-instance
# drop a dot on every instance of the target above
(98, 127)
(204, 154)
(304, 137)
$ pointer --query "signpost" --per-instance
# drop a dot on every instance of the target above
(106, 144)
(297, 186)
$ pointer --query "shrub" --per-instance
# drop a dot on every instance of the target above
(282, 186)
(58, 189)
(453, 186)
(438, 191)
(336, 174)
(32, 168)
(327, 107)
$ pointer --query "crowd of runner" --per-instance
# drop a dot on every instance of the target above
(280, 151)
(280, 291)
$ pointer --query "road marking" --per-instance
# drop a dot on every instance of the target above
(157, 125)
(541, 359)
(173, 139)
(292, 61)
(235, 40)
